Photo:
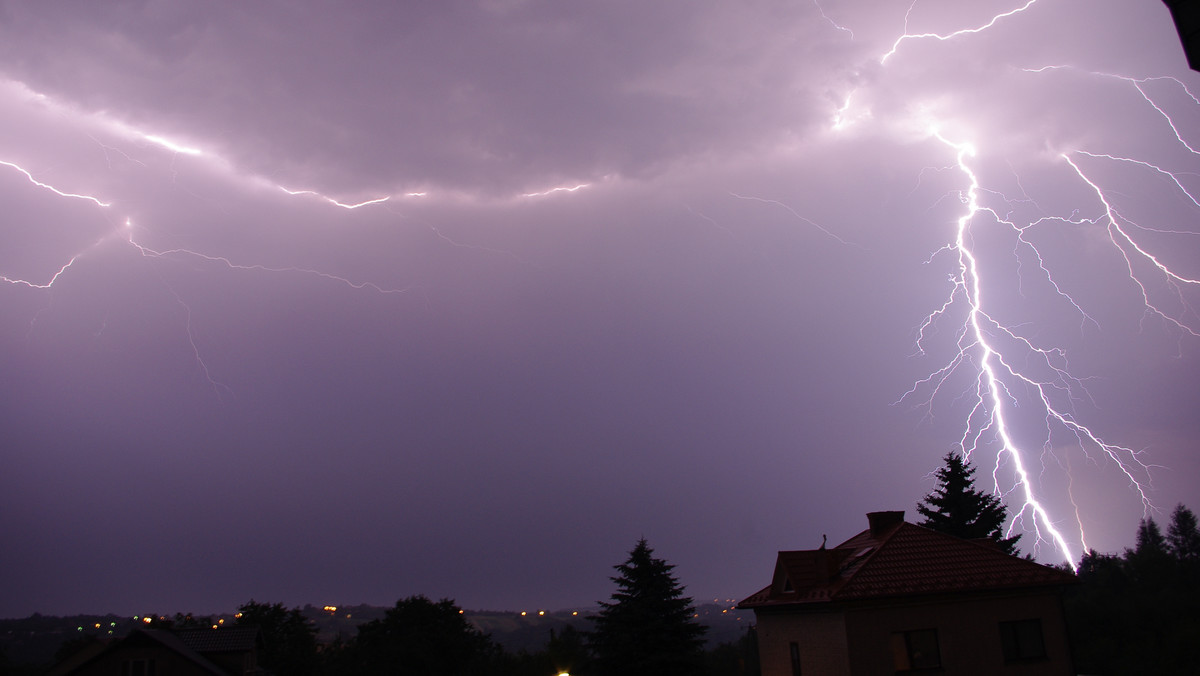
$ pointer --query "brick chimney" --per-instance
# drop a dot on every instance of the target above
(882, 521)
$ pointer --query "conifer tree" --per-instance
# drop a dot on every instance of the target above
(1183, 536)
(648, 627)
(956, 508)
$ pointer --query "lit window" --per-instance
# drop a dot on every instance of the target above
(1022, 640)
(913, 650)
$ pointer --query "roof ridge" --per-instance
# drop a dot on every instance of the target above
(902, 559)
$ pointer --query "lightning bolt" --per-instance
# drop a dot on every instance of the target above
(126, 232)
(344, 205)
(47, 186)
(562, 188)
(949, 36)
(1008, 369)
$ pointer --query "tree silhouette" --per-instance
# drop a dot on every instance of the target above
(956, 508)
(1136, 613)
(649, 626)
(1183, 536)
(421, 638)
(289, 640)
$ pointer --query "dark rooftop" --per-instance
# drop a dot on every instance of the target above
(896, 558)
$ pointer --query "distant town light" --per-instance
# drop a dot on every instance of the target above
(146, 620)
(540, 612)
(330, 609)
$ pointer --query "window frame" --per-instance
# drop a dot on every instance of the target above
(907, 655)
(1023, 641)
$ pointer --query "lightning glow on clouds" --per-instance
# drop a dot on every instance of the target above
(192, 191)
(1011, 370)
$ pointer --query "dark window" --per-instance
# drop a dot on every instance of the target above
(913, 650)
(139, 668)
(795, 650)
(1022, 640)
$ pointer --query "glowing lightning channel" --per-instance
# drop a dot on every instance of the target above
(1003, 379)
(1128, 246)
(561, 188)
(975, 345)
(949, 36)
(833, 23)
(51, 188)
(344, 205)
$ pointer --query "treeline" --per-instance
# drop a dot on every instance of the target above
(416, 632)
(648, 627)
(1139, 612)
(420, 636)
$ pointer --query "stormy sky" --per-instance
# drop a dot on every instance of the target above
(314, 304)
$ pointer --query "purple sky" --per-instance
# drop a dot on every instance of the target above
(643, 269)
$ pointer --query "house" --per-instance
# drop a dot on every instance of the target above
(900, 598)
(225, 651)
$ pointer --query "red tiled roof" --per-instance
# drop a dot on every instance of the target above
(220, 640)
(902, 559)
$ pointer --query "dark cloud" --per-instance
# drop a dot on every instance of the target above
(235, 392)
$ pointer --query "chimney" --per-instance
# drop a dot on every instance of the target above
(882, 521)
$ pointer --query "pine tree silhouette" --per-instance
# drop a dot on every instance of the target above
(956, 508)
(648, 627)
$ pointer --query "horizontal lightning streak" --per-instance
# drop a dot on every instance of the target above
(51, 188)
(572, 188)
(343, 205)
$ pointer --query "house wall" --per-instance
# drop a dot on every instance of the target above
(236, 662)
(166, 662)
(968, 634)
(821, 638)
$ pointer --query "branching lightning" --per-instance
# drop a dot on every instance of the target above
(125, 232)
(1009, 369)
(951, 35)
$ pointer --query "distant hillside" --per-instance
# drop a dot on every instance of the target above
(34, 640)
(525, 630)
